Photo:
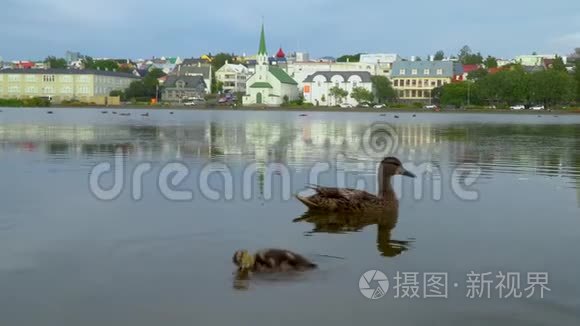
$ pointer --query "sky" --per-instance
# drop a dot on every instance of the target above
(34, 29)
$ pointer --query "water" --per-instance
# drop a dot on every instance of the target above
(68, 258)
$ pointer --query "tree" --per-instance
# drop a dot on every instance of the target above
(418, 58)
(455, 94)
(349, 58)
(577, 79)
(490, 62)
(558, 64)
(466, 57)
(477, 74)
(361, 94)
(439, 55)
(338, 93)
(220, 59)
(147, 87)
(383, 88)
(551, 86)
(55, 63)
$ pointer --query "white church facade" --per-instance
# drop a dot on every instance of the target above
(269, 85)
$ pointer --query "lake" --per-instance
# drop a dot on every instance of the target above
(496, 195)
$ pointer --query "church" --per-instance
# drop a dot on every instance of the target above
(270, 85)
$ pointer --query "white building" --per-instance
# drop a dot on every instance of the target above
(317, 86)
(536, 59)
(233, 77)
(269, 85)
(301, 70)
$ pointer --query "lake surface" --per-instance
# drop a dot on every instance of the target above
(501, 193)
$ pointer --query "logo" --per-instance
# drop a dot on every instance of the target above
(373, 277)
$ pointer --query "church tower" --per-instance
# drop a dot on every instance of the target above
(262, 58)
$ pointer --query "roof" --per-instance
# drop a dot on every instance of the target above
(282, 76)
(69, 72)
(190, 81)
(364, 75)
(184, 70)
(470, 68)
(194, 61)
(262, 49)
(449, 68)
(280, 53)
(238, 68)
(261, 85)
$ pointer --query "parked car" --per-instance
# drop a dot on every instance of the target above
(364, 105)
(517, 107)
(189, 103)
(345, 105)
(431, 107)
(379, 106)
(537, 107)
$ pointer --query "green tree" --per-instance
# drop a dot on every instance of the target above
(418, 58)
(558, 64)
(490, 62)
(439, 55)
(551, 87)
(383, 88)
(349, 58)
(55, 63)
(577, 79)
(338, 93)
(466, 57)
(477, 74)
(220, 59)
(361, 94)
(454, 94)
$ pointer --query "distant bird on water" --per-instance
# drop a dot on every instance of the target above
(383, 114)
(104, 112)
(114, 112)
(171, 112)
(414, 115)
(49, 112)
(145, 114)
(125, 114)
(303, 115)
(396, 117)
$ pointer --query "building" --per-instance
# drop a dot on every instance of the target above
(195, 67)
(62, 84)
(71, 56)
(415, 80)
(269, 85)
(233, 77)
(317, 86)
(535, 59)
(179, 88)
(384, 61)
(301, 70)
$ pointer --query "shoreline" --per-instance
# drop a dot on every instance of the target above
(305, 109)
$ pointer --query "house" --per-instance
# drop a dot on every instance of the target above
(269, 85)
(415, 80)
(233, 77)
(466, 70)
(195, 67)
(179, 88)
(535, 59)
(384, 61)
(62, 84)
(301, 70)
(317, 86)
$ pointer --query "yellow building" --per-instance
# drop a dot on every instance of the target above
(414, 81)
(62, 84)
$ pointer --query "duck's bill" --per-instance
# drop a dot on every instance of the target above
(408, 174)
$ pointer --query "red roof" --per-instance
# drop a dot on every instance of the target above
(469, 68)
(280, 54)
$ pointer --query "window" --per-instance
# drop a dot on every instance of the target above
(48, 78)
(30, 78)
(413, 93)
(13, 78)
(66, 79)
(438, 83)
(439, 71)
(48, 90)
(414, 72)
(408, 82)
(337, 84)
(30, 89)
(414, 82)
(402, 72)
(83, 89)
(354, 84)
(66, 90)
(83, 79)
(13, 89)
(396, 82)
(426, 71)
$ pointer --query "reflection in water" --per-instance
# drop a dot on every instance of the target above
(354, 222)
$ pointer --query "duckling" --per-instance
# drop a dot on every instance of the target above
(270, 261)
(346, 199)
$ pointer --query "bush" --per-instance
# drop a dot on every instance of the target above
(28, 102)
(418, 105)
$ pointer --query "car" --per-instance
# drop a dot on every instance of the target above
(364, 105)
(537, 107)
(189, 103)
(222, 100)
(430, 107)
(345, 105)
(517, 107)
(379, 106)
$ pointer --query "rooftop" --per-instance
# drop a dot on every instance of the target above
(68, 72)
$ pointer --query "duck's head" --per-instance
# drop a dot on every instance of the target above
(243, 259)
(393, 166)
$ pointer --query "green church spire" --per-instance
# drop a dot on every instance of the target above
(262, 49)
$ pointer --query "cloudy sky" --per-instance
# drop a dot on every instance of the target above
(33, 29)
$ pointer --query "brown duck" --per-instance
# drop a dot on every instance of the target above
(348, 200)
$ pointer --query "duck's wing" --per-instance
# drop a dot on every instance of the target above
(333, 199)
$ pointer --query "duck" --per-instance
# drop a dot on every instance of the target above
(352, 200)
(49, 112)
(104, 112)
(171, 112)
(303, 115)
(414, 115)
(145, 114)
(125, 114)
(271, 261)
(396, 117)
(114, 112)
